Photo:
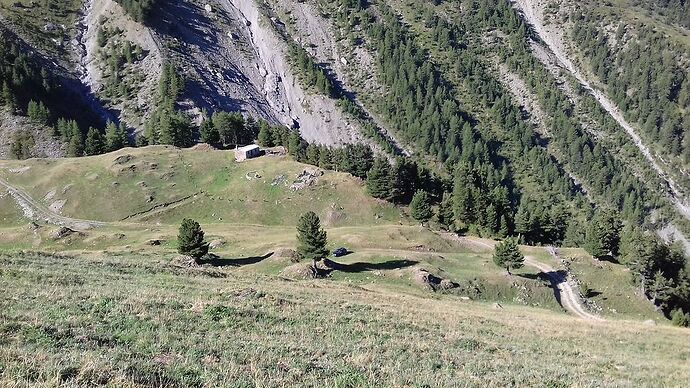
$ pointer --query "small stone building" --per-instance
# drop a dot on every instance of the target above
(247, 152)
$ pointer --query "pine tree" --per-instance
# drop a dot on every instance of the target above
(420, 208)
(679, 318)
(76, 144)
(445, 211)
(265, 135)
(325, 158)
(603, 235)
(294, 142)
(8, 97)
(379, 180)
(113, 139)
(405, 182)
(94, 142)
(208, 132)
(190, 240)
(312, 154)
(463, 201)
(311, 238)
(507, 255)
(165, 130)
(251, 130)
(182, 131)
(523, 225)
(491, 219)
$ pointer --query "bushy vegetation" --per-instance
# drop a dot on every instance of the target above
(675, 11)
(139, 10)
(311, 74)
(22, 145)
(168, 125)
(659, 269)
(30, 89)
(118, 55)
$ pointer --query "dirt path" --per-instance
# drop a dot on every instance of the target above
(552, 37)
(564, 292)
(36, 210)
(568, 298)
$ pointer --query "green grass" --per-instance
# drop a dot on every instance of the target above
(111, 308)
(133, 320)
(612, 287)
(221, 192)
(253, 217)
(10, 214)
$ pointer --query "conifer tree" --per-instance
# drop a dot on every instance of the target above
(8, 97)
(208, 132)
(379, 180)
(325, 159)
(76, 144)
(311, 238)
(113, 137)
(294, 142)
(265, 135)
(94, 142)
(445, 211)
(507, 255)
(190, 240)
(603, 235)
(420, 208)
(463, 202)
(405, 178)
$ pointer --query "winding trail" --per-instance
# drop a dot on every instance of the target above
(34, 209)
(568, 298)
(551, 36)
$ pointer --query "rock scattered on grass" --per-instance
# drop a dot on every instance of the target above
(431, 282)
(63, 232)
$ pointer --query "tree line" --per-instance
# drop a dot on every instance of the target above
(139, 10)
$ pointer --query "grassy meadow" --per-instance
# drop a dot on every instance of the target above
(131, 320)
(113, 305)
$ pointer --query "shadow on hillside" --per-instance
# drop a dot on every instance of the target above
(218, 261)
(555, 278)
(608, 258)
(533, 276)
(361, 267)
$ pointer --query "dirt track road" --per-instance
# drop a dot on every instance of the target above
(36, 210)
(568, 298)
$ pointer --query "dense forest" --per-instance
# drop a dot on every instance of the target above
(647, 76)
(487, 191)
(488, 168)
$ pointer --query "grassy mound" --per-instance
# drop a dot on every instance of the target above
(163, 185)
